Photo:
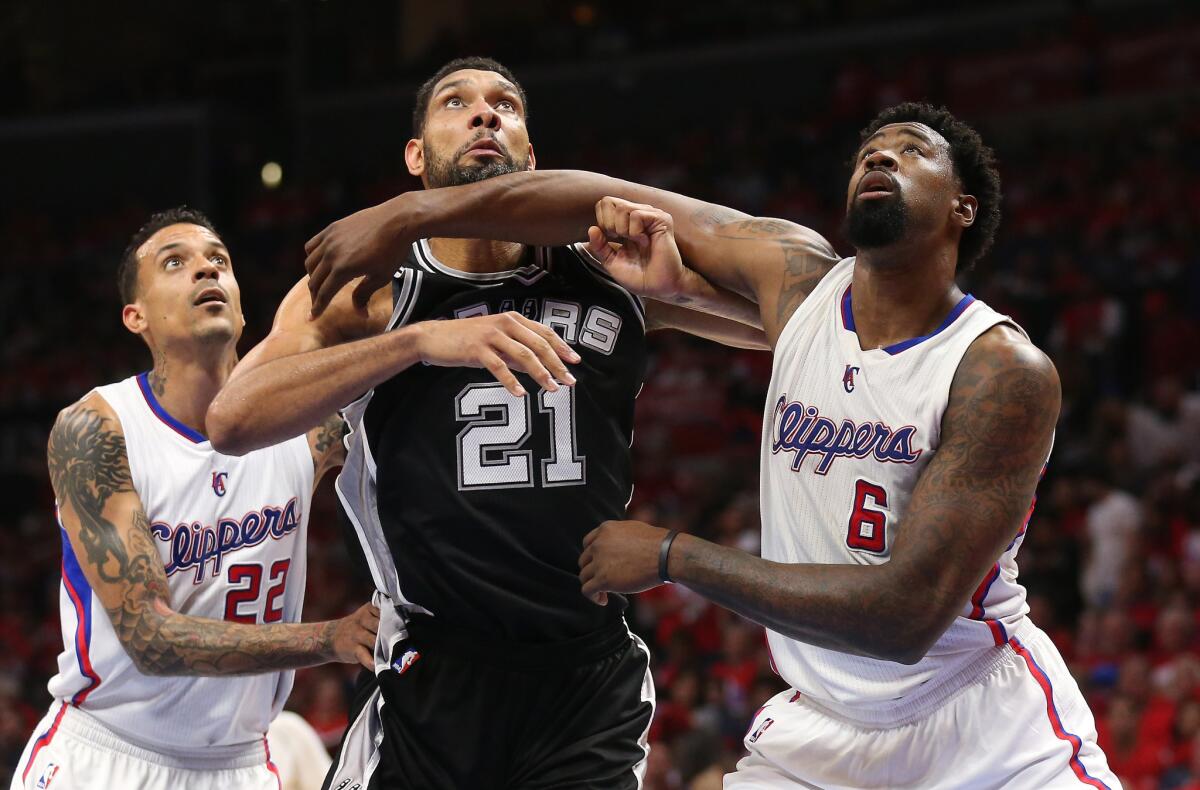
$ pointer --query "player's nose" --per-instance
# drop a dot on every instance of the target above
(485, 117)
(205, 268)
(878, 160)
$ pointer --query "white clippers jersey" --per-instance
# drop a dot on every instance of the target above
(231, 533)
(846, 434)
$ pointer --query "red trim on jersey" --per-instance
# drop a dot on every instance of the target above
(271, 766)
(1055, 721)
(998, 634)
(982, 590)
(43, 740)
(81, 642)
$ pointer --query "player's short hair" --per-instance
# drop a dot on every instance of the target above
(127, 269)
(421, 106)
(974, 164)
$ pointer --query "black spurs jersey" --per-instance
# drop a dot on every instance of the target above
(471, 504)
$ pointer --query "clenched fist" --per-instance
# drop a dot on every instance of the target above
(620, 556)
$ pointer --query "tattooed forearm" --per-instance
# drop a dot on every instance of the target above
(88, 466)
(163, 642)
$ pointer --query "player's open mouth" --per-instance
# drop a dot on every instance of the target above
(486, 146)
(210, 296)
(876, 184)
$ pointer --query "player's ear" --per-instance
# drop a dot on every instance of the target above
(134, 318)
(414, 157)
(965, 207)
(532, 165)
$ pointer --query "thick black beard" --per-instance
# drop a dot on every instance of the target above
(876, 223)
(446, 173)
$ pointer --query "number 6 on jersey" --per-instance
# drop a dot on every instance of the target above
(867, 530)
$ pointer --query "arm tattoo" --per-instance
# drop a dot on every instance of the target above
(88, 466)
(326, 437)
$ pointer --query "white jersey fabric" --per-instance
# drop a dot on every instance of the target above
(231, 533)
(846, 434)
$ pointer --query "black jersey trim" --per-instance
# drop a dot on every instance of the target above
(592, 266)
(406, 300)
(528, 274)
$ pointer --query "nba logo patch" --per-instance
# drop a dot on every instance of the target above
(762, 728)
(47, 776)
(218, 482)
(402, 664)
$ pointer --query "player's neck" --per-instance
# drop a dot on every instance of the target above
(186, 385)
(477, 255)
(899, 294)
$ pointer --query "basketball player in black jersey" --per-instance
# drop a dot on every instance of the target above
(470, 490)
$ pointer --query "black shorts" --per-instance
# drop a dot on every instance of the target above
(456, 713)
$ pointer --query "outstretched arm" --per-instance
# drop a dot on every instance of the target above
(771, 262)
(110, 533)
(307, 369)
(967, 506)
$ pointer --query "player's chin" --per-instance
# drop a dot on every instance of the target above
(215, 329)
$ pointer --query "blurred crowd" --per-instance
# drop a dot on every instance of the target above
(1097, 257)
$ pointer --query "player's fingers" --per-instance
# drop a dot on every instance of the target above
(547, 351)
(598, 246)
(560, 346)
(364, 657)
(585, 557)
(590, 538)
(602, 598)
(496, 366)
(315, 241)
(523, 358)
(366, 288)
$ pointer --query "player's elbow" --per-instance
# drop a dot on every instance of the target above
(228, 428)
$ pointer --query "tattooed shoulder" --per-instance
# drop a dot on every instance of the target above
(325, 437)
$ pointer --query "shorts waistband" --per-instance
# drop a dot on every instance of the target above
(86, 727)
(921, 705)
(581, 650)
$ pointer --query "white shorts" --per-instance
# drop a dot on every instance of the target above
(1023, 724)
(70, 750)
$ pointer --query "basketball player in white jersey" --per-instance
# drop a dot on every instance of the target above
(905, 431)
(183, 569)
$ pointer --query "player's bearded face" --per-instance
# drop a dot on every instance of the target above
(459, 168)
(876, 223)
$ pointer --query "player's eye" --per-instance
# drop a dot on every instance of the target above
(454, 101)
(866, 153)
(172, 262)
(506, 105)
(219, 260)
(913, 147)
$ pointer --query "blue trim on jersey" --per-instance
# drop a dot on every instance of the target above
(79, 583)
(162, 414)
(903, 345)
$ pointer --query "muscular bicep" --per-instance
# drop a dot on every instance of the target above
(971, 499)
(103, 515)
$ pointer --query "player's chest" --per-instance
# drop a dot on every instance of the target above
(206, 514)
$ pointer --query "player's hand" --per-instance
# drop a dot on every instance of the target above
(367, 244)
(501, 343)
(354, 636)
(648, 261)
(619, 556)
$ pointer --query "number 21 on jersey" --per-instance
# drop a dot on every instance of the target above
(498, 424)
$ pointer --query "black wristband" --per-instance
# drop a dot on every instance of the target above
(664, 551)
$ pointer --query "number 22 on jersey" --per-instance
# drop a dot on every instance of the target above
(498, 424)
